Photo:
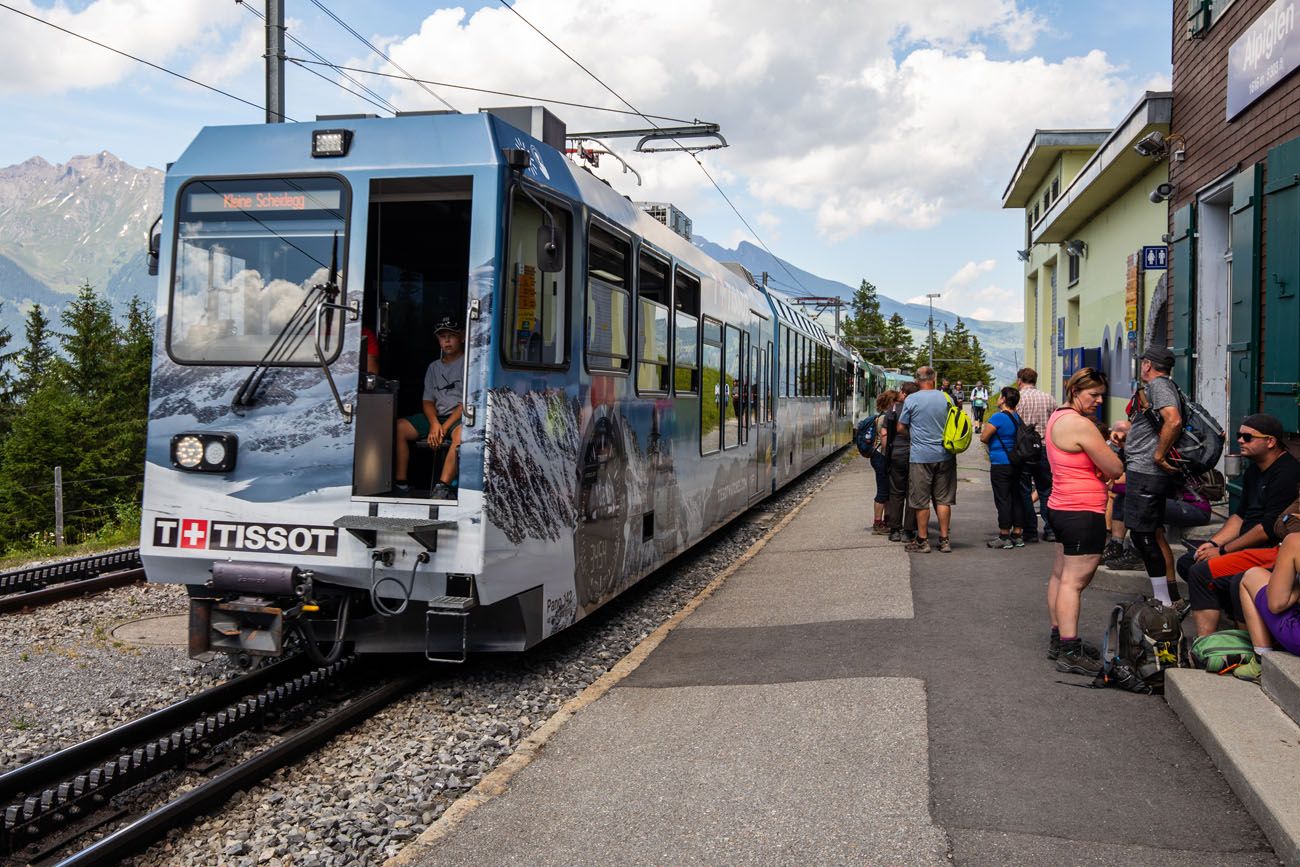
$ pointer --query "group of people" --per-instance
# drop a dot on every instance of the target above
(1094, 486)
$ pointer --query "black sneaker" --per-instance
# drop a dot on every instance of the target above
(1054, 646)
(1127, 561)
(1073, 660)
(1049, 536)
(1089, 649)
(442, 491)
(1113, 549)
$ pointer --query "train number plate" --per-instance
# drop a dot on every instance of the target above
(207, 535)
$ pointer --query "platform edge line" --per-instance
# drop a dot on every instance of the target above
(496, 782)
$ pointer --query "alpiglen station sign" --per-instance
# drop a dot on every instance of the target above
(1262, 56)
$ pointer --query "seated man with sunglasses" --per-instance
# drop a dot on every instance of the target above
(1213, 571)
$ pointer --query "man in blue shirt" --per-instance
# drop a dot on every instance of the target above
(932, 474)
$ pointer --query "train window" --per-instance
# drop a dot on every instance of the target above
(537, 302)
(608, 280)
(711, 385)
(770, 366)
(652, 323)
(253, 259)
(787, 364)
(731, 391)
(686, 310)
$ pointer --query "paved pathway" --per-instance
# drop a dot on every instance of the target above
(835, 704)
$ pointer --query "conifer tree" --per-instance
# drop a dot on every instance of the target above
(899, 350)
(33, 363)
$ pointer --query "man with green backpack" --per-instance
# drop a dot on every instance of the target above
(939, 432)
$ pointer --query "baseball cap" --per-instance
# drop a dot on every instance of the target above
(1160, 355)
(1266, 424)
(446, 323)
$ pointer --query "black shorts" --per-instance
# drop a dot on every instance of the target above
(1080, 533)
(1144, 501)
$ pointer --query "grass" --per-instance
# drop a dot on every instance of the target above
(121, 531)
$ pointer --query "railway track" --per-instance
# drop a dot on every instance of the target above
(48, 804)
(51, 582)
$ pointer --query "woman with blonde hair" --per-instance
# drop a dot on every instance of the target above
(1082, 463)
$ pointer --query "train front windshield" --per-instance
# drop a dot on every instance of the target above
(252, 256)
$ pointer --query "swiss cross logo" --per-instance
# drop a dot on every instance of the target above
(194, 533)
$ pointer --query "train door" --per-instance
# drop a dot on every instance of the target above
(761, 395)
(413, 332)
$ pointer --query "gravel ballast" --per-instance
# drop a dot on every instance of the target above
(373, 789)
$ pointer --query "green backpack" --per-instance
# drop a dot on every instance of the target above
(1221, 652)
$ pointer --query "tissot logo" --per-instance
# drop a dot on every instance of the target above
(209, 535)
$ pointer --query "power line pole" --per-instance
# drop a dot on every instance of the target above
(931, 296)
(274, 61)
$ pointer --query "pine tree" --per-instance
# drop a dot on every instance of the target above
(88, 344)
(33, 363)
(865, 328)
(899, 351)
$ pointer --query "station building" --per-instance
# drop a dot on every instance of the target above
(1234, 222)
(1092, 295)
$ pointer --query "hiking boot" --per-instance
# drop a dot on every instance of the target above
(944, 546)
(1249, 670)
(1033, 540)
(1001, 542)
(879, 528)
(1017, 541)
(1089, 649)
(895, 535)
(1113, 550)
(442, 491)
(917, 546)
(1127, 561)
(1049, 536)
(1073, 660)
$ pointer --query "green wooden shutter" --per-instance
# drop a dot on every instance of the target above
(1243, 320)
(1182, 295)
(1280, 336)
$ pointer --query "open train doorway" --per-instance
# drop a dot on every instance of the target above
(413, 335)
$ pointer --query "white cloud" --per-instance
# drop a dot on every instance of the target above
(962, 295)
(968, 274)
(233, 60)
(860, 113)
(35, 58)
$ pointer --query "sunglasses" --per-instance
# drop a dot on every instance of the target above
(1250, 437)
(1094, 373)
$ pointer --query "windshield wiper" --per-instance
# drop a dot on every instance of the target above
(293, 334)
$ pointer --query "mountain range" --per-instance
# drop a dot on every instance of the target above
(86, 220)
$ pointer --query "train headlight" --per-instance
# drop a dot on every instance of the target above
(331, 142)
(187, 452)
(205, 451)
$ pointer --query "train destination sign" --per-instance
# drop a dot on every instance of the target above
(1261, 57)
(264, 200)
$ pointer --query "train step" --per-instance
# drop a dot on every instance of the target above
(447, 606)
(367, 528)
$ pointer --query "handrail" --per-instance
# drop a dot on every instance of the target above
(354, 313)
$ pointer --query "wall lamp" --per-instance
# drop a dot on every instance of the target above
(1162, 193)
(1076, 248)
(1023, 255)
(1156, 145)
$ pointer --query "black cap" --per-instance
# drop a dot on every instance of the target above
(447, 323)
(1266, 424)
(1159, 355)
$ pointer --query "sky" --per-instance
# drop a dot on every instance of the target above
(868, 139)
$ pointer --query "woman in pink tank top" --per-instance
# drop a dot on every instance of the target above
(1081, 463)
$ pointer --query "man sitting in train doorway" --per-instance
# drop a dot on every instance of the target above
(439, 422)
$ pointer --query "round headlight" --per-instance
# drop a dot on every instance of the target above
(189, 451)
(215, 452)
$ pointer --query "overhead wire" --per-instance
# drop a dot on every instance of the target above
(366, 42)
(370, 96)
(647, 119)
(505, 93)
(129, 56)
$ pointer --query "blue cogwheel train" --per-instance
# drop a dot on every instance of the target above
(586, 394)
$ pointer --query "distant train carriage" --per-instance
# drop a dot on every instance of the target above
(621, 395)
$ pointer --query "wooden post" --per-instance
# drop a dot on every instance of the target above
(58, 506)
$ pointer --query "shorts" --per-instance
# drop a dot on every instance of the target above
(1081, 534)
(1144, 501)
(1284, 627)
(420, 422)
(927, 482)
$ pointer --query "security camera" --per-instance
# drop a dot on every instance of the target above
(1152, 144)
(1162, 193)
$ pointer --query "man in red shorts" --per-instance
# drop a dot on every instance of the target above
(1213, 571)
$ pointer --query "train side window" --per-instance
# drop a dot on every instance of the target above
(787, 363)
(608, 279)
(711, 385)
(537, 303)
(686, 311)
(731, 391)
(652, 323)
(770, 366)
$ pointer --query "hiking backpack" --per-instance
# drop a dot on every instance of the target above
(1027, 449)
(1200, 443)
(1142, 640)
(1221, 652)
(956, 430)
(864, 435)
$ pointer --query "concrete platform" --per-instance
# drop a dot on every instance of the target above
(837, 701)
(1252, 742)
(1281, 682)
